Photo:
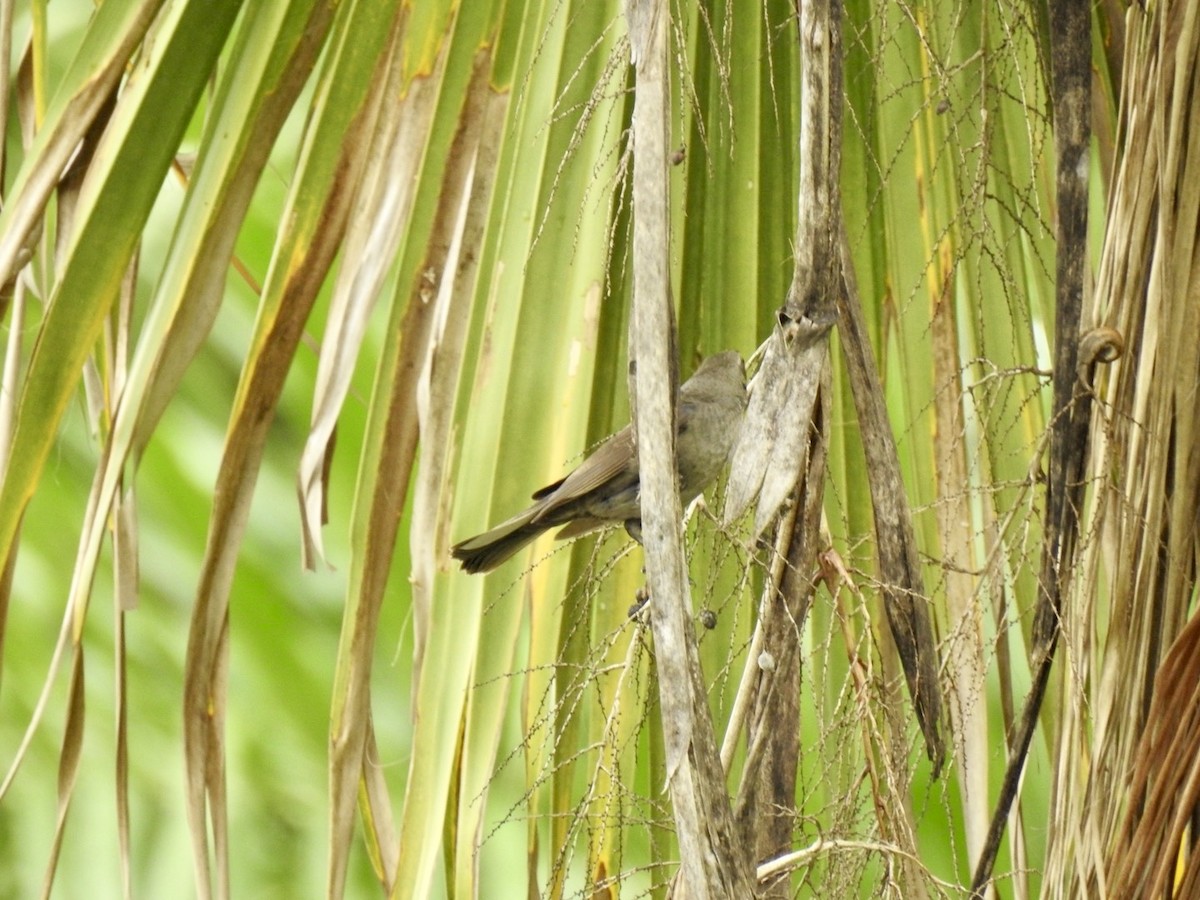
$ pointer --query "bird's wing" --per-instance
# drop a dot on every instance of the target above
(543, 493)
(612, 457)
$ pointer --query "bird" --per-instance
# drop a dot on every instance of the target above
(604, 489)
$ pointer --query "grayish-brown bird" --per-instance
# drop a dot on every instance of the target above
(604, 489)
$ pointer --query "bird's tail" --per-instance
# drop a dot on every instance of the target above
(484, 552)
